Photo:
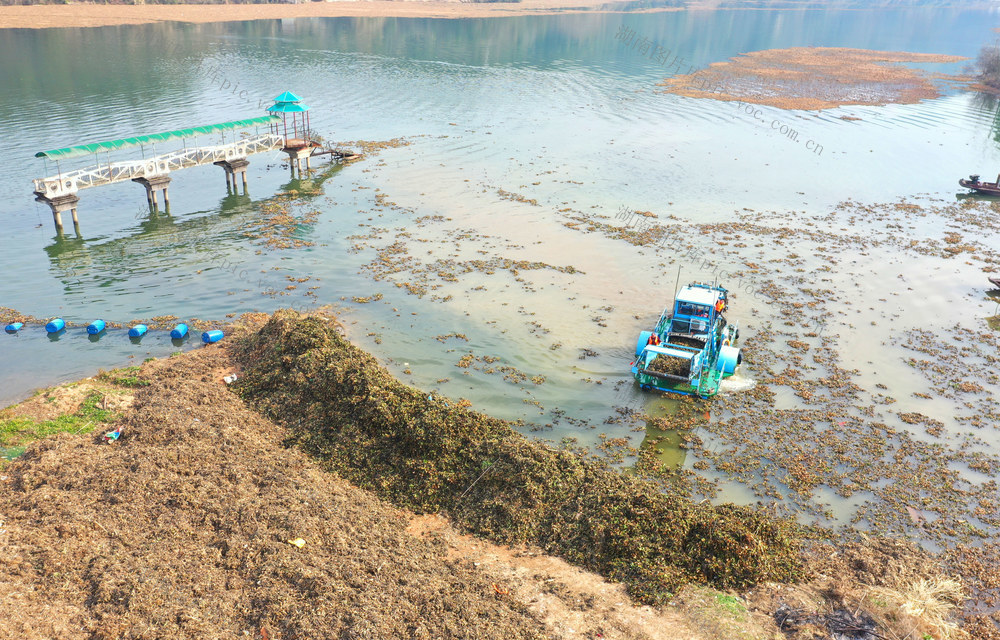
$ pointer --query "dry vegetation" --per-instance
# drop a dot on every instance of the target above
(873, 588)
(813, 78)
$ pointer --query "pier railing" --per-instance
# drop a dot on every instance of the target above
(71, 182)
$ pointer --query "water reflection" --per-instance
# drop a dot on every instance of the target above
(977, 196)
(160, 241)
(669, 425)
(665, 447)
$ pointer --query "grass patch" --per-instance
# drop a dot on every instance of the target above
(994, 322)
(432, 455)
(16, 433)
(731, 604)
(125, 377)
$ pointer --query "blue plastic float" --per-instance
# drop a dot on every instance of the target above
(179, 331)
(211, 336)
(56, 325)
(13, 327)
(96, 327)
(138, 331)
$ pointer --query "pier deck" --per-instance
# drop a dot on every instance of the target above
(69, 183)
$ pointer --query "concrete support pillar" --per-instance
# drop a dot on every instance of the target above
(296, 155)
(58, 205)
(232, 168)
(154, 184)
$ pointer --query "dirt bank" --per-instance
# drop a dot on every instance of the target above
(100, 15)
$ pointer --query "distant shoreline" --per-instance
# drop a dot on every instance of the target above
(101, 15)
(54, 16)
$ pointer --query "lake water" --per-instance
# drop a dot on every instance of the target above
(525, 136)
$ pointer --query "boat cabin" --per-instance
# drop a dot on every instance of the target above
(695, 312)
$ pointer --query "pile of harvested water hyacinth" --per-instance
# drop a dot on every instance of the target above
(433, 455)
(670, 366)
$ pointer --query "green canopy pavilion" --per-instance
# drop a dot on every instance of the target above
(289, 103)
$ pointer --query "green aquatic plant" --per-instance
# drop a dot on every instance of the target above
(431, 454)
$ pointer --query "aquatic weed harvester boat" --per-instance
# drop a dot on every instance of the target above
(692, 347)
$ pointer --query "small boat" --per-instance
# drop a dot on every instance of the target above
(995, 280)
(988, 188)
(692, 347)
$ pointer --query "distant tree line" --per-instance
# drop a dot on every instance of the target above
(988, 66)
